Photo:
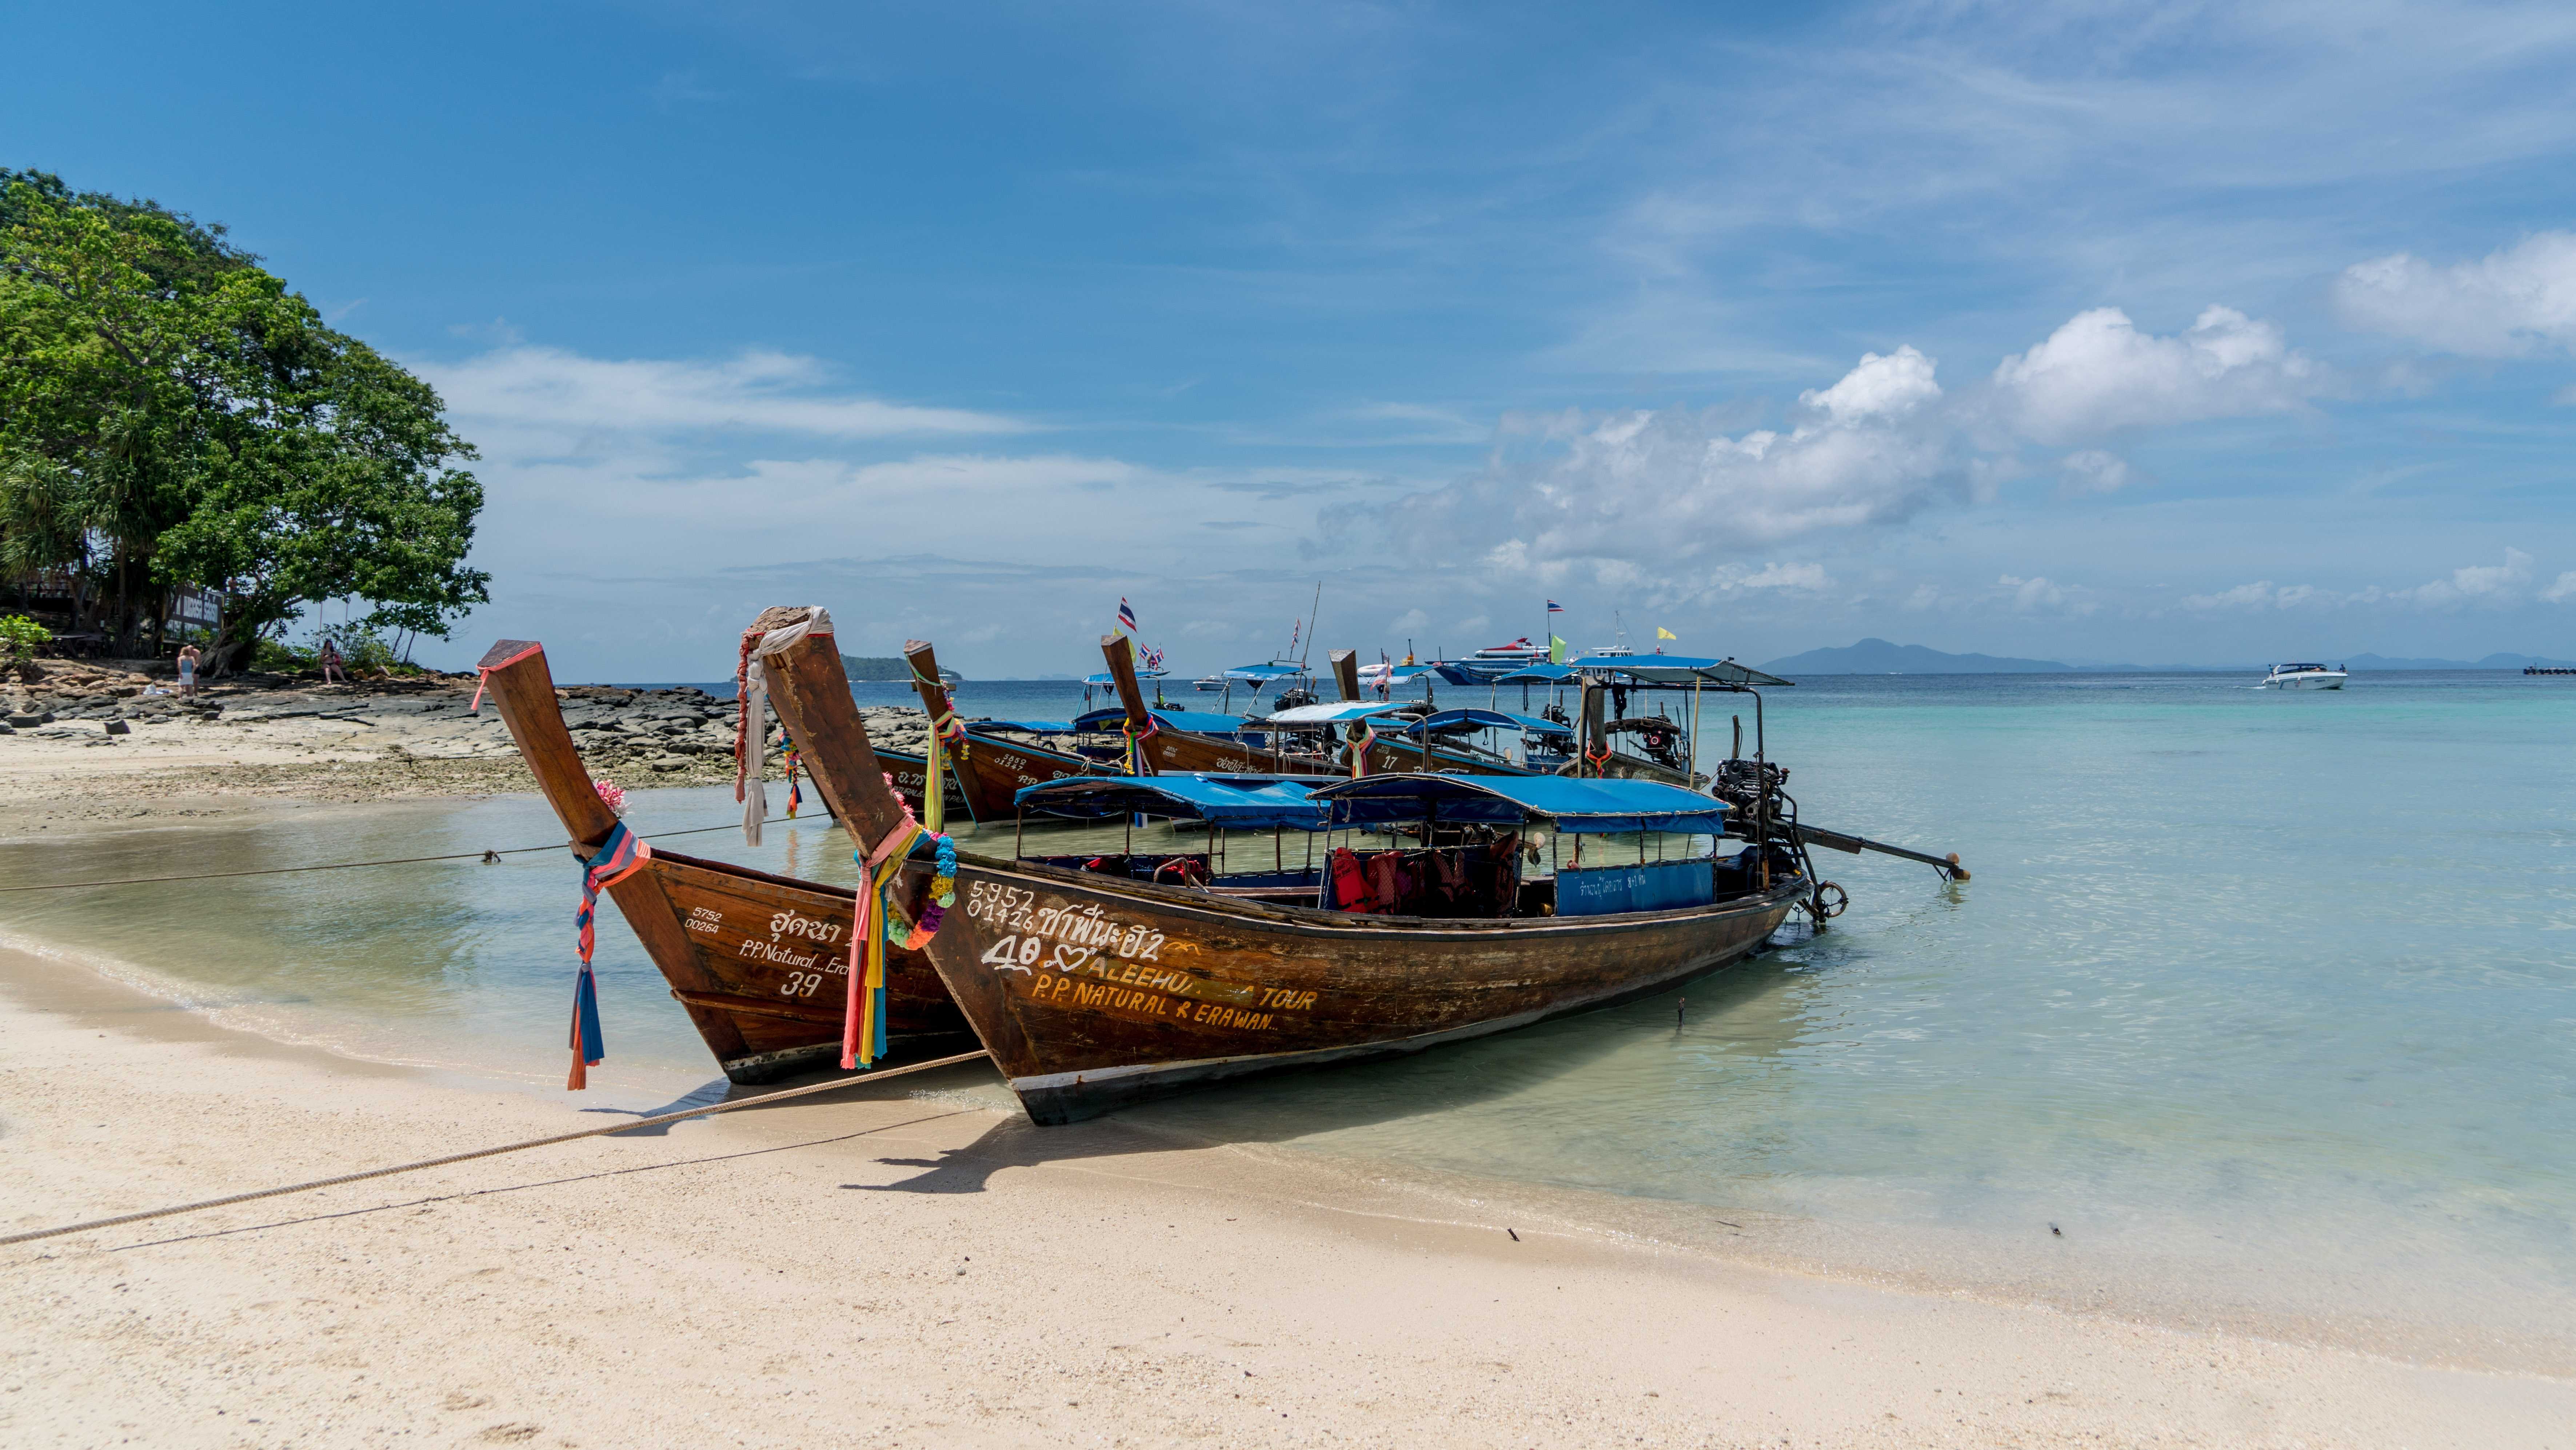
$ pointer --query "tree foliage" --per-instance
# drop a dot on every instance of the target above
(170, 413)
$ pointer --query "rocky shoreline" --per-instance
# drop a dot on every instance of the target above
(80, 732)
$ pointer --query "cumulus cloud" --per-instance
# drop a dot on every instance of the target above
(2258, 595)
(551, 388)
(2099, 374)
(2561, 591)
(2509, 303)
(1880, 387)
(2479, 583)
(2031, 596)
(1669, 485)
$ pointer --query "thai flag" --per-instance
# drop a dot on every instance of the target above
(1126, 617)
(1555, 608)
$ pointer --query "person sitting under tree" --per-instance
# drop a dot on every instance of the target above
(331, 664)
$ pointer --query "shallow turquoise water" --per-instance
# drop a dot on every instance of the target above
(2269, 992)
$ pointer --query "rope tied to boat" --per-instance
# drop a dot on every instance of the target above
(950, 730)
(483, 675)
(620, 856)
(1135, 761)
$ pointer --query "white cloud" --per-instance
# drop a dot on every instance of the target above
(1668, 486)
(2098, 374)
(1806, 578)
(2508, 304)
(2563, 590)
(2257, 595)
(2092, 471)
(550, 388)
(1880, 387)
(2035, 594)
(2478, 583)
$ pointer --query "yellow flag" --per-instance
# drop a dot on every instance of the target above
(1555, 650)
(1663, 633)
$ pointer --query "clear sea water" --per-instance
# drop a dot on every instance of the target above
(2258, 1006)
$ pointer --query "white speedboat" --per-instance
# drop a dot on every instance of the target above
(2305, 677)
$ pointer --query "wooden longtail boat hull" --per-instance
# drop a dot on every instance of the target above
(1093, 992)
(910, 771)
(1182, 751)
(760, 962)
(988, 777)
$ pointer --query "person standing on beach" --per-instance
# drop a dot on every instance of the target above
(330, 663)
(187, 670)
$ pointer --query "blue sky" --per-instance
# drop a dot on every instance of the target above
(2118, 332)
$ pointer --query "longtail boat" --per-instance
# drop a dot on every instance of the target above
(986, 769)
(1164, 746)
(1093, 989)
(759, 962)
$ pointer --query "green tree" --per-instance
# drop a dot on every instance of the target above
(170, 413)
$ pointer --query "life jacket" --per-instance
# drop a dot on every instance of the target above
(1448, 877)
(1389, 883)
(1350, 883)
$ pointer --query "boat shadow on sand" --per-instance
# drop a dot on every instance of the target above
(1747, 1011)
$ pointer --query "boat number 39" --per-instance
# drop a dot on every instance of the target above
(801, 984)
(1021, 953)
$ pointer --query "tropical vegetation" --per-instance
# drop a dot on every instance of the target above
(176, 422)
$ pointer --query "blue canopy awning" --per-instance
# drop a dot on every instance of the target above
(1482, 719)
(1237, 802)
(1574, 806)
(1105, 678)
(1538, 675)
(1675, 670)
(1197, 722)
(1033, 727)
(1336, 714)
(1263, 674)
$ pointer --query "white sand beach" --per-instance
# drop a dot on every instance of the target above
(897, 1268)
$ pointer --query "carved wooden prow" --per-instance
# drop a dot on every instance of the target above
(925, 677)
(812, 695)
(518, 681)
(1121, 655)
(1346, 672)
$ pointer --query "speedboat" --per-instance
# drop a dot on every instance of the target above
(2305, 677)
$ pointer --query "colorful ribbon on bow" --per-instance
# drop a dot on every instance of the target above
(877, 925)
(620, 856)
(1136, 739)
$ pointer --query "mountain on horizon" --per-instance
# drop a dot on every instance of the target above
(1879, 657)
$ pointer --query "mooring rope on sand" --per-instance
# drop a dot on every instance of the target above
(335, 865)
(657, 1119)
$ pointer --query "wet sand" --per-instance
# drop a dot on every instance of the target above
(887, 1264)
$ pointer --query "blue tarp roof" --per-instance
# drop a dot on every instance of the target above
(1577, 807)
(1238, 802)
(1265, 673)
(1337, 713)
(1106, 678)
(1197, 722)
(1482, 719)
(1541, 674)
(1034, 727)
(1676, 670)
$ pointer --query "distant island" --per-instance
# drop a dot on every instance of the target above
(887, 669)
(1879, 657)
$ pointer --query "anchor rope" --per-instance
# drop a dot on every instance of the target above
(655, 1121)
(337, 865)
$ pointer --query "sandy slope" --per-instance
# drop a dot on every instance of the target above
(898, 1270)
